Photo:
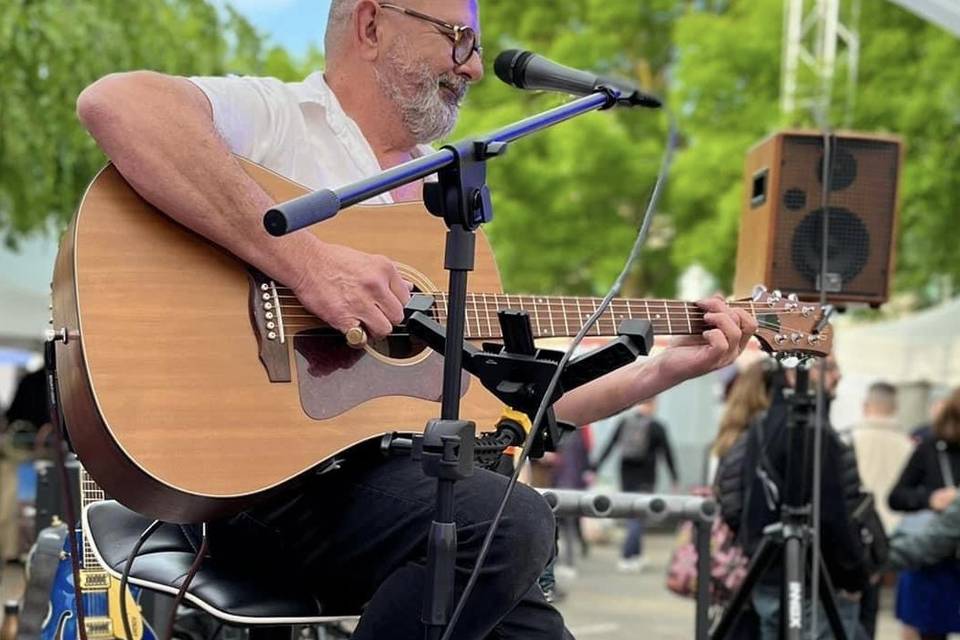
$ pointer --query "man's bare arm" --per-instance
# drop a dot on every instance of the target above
(731, 330)
(159, 132)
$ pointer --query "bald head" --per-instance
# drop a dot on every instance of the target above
(341, 16)
(881, 401)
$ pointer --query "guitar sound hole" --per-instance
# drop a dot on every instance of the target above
(399, 346)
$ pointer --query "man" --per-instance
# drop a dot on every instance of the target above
(642, 440)
(882, 449)
(395, 77)
(764, 469)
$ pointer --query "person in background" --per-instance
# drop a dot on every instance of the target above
(937, 401)
(927, 599)
(882, 450)
(24, 420)
(571, 470)
(938, 541)
(747, 397)
(767, 446)
(642, 440)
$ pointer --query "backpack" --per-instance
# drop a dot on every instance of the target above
(635, 438)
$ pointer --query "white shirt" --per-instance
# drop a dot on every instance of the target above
(882, 452)
(297, 129)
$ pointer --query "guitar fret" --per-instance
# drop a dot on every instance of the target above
(536, 315)
(486, 314)
(686, 310)
(476, 313)
(669, 324)
(566, 322)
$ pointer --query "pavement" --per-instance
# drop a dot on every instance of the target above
(602, 603)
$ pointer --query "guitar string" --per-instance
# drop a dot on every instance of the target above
(695, 330)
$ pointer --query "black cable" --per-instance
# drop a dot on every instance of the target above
(191, 572)
(542, 409)
(826, 175)
(149, 531)
(56, 418)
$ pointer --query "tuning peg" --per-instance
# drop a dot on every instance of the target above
(777, 294)
(793, 297)
(758, 292)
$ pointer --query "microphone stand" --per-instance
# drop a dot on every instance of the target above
(462, 198)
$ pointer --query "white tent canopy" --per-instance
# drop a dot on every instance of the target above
(921, 347)
(945, 13)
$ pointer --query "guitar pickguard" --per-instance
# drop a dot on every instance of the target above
(334, 378)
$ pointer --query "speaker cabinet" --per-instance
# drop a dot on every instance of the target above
(781, 226)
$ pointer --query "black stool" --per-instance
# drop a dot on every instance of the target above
(219, 588)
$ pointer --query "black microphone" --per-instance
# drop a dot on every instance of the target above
(527, 70)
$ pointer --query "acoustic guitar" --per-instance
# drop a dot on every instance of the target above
(192, 384)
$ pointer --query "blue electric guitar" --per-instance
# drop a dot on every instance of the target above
(100, 592)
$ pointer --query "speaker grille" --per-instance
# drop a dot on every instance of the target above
(861, 216)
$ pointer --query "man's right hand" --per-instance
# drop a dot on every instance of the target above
(347, 288)
(941, 498)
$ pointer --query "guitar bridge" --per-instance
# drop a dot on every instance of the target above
(266, 316)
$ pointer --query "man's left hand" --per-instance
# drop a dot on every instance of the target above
(692, 356)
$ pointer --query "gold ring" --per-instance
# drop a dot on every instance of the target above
(356, 337)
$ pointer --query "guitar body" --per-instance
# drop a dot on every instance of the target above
(101, 603)
(166, 398)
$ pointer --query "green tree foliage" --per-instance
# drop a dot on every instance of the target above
(568, 200)
(726, 87)
(51, 50)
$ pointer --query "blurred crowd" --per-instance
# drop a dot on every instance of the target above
(890, 509)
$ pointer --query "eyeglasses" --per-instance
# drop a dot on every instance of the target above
(465, 39)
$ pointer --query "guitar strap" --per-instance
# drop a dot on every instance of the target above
(43, 567)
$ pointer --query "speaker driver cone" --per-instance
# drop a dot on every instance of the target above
(848, 245)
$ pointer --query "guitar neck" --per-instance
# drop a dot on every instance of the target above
(90, 492)
(562, 316)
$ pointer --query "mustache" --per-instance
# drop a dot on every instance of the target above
(455, 84)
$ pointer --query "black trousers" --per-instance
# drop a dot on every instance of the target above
(356, 537)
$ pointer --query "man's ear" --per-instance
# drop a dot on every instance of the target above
(367, 31)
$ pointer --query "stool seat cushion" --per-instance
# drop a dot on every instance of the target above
(222, 589)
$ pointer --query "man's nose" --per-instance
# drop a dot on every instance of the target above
(472, 68)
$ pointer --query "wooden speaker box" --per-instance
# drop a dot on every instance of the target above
(781, 232)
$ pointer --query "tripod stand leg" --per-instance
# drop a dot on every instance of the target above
(702, 532)
(792, 596)
(758, 566)
(829, 599)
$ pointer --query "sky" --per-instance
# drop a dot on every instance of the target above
(293, 24)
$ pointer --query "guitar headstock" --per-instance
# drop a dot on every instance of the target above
(788, 326)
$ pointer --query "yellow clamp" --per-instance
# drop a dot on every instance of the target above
(519, 418)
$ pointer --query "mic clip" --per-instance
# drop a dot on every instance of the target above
(614, 97)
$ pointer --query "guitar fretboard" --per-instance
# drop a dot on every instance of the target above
(551, 316)
(90, 492)
(562, 316)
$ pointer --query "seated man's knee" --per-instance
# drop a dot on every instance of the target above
(532, 525)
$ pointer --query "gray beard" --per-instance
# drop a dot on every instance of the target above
(415, 92)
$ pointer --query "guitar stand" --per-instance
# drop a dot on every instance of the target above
(791, 537)
(518, 374)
